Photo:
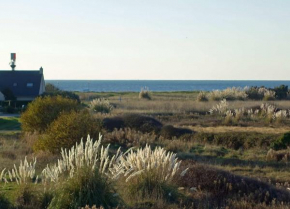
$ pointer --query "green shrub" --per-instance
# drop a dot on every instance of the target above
(68, 129)
(101, 105)
(86, 187)
(220, 185)
(4, 202)
(253, 93)
(113, 123)
(138, 122)
(43, 111)
(281, 92)
(170, 131)
(142, 123)
(282, 142)
(29, 196)
(65, 94)
(49, 87)
(9, 109)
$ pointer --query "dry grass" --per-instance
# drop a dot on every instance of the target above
(227, 129)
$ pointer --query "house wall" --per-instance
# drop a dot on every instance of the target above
(25, 98)
(42, 86)
(2, 98)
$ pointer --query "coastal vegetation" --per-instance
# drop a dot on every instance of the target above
(227, 149)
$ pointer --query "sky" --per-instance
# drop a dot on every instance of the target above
(141, 40)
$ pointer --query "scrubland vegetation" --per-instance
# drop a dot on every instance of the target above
(171, 150)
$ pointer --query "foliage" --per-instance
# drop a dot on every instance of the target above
(281, 91)
(142, 123)
(145, 93)
(253, 93)
(85, 187)
(138, 122)
(101, 105)
(68, 129)
(43, 111)
(236, 140)
(170, 131)
(49, 87)
(282, 142)
(113, 123)
(4, 202)
(220, 185)
(64, 94)
(129, 137)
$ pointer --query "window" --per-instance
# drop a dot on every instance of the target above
(29, 85)
(14, 84)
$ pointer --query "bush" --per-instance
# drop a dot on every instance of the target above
(170, 131)
(113, 123)
(237, 139)
(142, 123)
(145, 93)
(281, 92)
(282, 142)
(67, 129)
(253, 93)
(64, 94)
(51, 88)
(4, 202)
(138, 122)
(101, 105)
(129, 137)
(222, 185)
(43, 111)
(86, 187)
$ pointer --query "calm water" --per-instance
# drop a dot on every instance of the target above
(157, 85)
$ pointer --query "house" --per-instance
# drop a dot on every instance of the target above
(2, 98)
(24, 84)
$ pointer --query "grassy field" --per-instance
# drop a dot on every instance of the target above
(225, 149)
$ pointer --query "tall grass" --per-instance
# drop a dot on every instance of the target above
(101, 105)
(89, 154)
(22, 174)
(145, 93)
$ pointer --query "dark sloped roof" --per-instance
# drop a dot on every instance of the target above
(17, 81)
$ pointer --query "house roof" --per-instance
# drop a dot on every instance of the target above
(21, 83)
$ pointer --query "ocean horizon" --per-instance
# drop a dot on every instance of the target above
(159, 85)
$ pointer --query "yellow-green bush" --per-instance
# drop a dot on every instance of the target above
(43, 111)
(86, 187)
(68, 129)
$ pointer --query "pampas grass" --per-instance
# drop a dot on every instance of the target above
(89, 154)
(145, 93)
(21, 174)
(101, 105)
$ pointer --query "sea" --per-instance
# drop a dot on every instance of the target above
(159, 85)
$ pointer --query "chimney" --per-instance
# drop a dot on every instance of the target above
(41, 70)
(13, 60)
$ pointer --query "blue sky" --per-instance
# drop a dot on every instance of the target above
(129, 39)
